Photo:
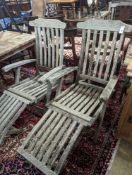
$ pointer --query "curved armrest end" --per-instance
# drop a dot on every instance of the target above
(106, 93)
(17, 64)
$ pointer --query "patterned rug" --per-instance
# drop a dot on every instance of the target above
(87, 158)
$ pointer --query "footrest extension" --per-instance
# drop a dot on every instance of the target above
(50, 142)
(10, 110)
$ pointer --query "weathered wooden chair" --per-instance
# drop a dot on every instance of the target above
(49, 52)
(50, 141)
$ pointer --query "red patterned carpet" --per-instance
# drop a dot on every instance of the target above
(86, 159)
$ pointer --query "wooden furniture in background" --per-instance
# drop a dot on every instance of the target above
(121, 11)
(124, 129)
(72, 2)
(14, 42)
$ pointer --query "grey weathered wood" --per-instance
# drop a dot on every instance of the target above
(49, 54)
(10, 109)
(53, 137)
(105, 95)
(17, 64)
(51, 140)
(107, 25)
(84, 101)
(48, 74)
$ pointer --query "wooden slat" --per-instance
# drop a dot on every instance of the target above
(23, 94)
(74, 117)
(82, 50)
(98, 53)
(49, 47)
(86, 52)
(53, 47)
(57, 47)
(56, 140)
(45, 47)
(104, 54)
(61, 144)
(68, 149)
(68, 101)
(61, 46)
(36, 162)
(78, 99)
(48, 141)
(81, 100)
(43, 137)
(92, 53)
(56, 146)
(10, 110)
(40, 132)
(17, 97)
(40, 46)
(9, 123)
(67, 93)
(71, 111)
(111, 56)
(36, 128)
(85, 104)
(116, 56)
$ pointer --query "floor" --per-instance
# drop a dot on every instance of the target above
(122, 164)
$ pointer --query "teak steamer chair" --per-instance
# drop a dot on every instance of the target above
(51, 140)
(49, 57)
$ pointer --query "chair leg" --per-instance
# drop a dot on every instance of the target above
(100, 123)
(73, 48)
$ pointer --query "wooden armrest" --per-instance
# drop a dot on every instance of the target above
(106, 93)
(50, 73)
(52, 79)
(17, 64)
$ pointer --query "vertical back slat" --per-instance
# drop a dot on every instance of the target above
(61, 46)
(53, 47)
(45, 48)
(104, 54)
(92, 52)
(111, 55)
(57, 47)
(40, 46)
(49, 47)
(86, 51)
(98, 53)
(37, 44)
(117, 55)
(82, 50)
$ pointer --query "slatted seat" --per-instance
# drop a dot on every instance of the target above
(81, 100)
(50, 141)
(10, 109)
(31, 90)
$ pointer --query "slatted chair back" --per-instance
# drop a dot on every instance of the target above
(100, 49)
(49, 42)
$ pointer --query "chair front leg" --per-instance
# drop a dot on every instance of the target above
(18, 75)
(102, 114)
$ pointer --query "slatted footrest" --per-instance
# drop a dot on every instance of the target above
(49, 143)
(10, 110)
